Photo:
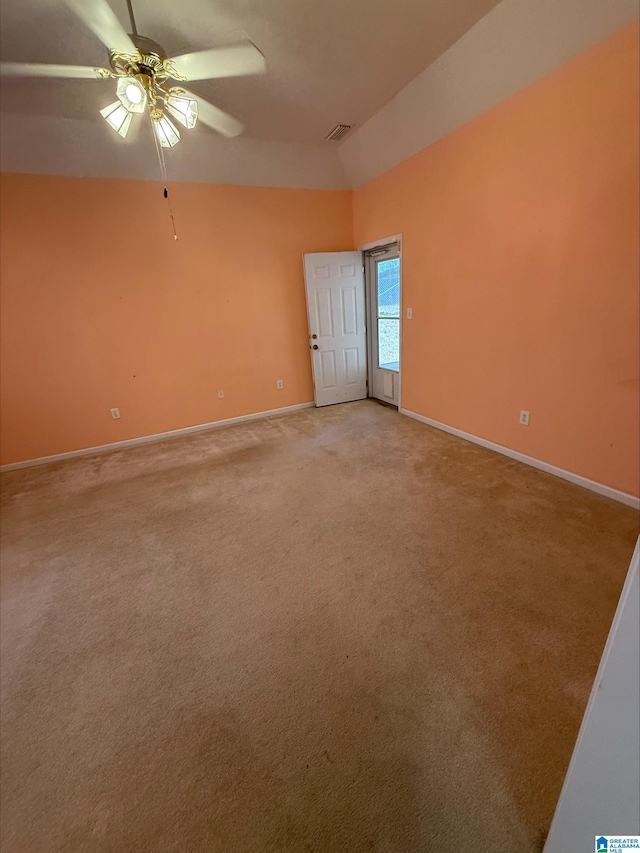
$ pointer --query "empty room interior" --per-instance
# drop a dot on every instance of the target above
(319, 426)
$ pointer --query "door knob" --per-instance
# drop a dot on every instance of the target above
(315, 346)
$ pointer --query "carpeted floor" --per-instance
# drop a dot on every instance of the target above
(334, 631)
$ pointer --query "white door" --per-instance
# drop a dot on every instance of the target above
(337, 333)
(383, 297)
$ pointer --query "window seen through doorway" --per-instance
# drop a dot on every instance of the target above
(388, 277)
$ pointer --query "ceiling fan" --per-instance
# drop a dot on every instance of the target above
(142, 70)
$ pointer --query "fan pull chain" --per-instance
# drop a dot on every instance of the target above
(173, 222)
(163, 171)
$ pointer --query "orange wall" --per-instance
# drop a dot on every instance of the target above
(520, 261)
(101, 308)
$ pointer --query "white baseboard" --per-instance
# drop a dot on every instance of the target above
(159, 436)
(601, 489)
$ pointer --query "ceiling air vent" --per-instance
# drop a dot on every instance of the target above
(338, 132)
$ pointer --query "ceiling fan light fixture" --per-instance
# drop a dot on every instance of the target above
(142, 69)
(117, 117)
(166, 132)
(132, 95)
(182, 108)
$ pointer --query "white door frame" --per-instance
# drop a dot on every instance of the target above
(377, 244)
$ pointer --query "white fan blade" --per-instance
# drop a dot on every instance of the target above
(233, 61)
(32, 69)
(216, 118)
(100, 18)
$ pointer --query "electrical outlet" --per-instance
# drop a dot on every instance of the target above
(279, 384)
(221, 394)
(115, 414)
(524, 418)
(409, 313)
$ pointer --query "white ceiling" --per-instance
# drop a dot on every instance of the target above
(403, 73)
(329, 61)
(517, 43)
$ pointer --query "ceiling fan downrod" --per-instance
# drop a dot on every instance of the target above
(134, 29)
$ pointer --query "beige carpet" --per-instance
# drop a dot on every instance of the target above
(338, 630)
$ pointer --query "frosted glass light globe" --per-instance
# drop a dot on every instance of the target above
(134, 93)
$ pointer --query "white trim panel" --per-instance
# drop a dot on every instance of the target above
(600, 788)
(600, 488)
(159, 436)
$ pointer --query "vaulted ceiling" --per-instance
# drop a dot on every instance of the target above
(329, 61)
(433, 63)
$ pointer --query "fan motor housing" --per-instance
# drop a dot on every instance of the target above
(148, 46)
(150, 61)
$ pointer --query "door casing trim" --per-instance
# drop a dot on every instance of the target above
(366, 247)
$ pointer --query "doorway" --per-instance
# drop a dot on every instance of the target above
(334, 283)
(383, 293)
